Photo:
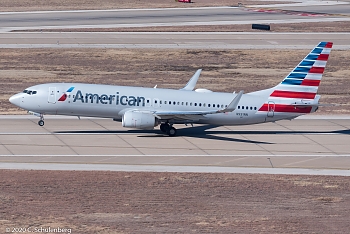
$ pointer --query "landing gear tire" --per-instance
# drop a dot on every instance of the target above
(164, 127)
(41, 123)
(171, 131)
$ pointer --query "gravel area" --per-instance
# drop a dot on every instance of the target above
(136, 202)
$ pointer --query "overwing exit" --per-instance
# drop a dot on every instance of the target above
(146, 108)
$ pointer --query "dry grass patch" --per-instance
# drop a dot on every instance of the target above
(147, 202)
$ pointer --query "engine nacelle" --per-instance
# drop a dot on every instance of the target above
(139, 120)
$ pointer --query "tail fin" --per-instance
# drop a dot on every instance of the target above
(303, 81)
(297, 92)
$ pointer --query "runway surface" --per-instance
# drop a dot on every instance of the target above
(304, 146)
(332, 11)
(168, 17)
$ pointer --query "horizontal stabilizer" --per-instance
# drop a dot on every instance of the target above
(304, 105)
(233, 105)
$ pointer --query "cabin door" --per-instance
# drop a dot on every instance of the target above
(270, 109)
(52, 95)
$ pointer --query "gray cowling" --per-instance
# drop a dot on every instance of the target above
(138, 120)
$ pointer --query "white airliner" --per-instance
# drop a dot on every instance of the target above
(145, 108)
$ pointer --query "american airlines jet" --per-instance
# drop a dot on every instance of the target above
(146, 108)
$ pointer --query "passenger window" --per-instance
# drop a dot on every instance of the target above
(174, 103)
(251, 108)
(190, 103)
(74, 97)
(195, 104)
(164, 102)
(186, 103)
(238, 107)
(155, 101)
(169, 102)
(254, 108)
(147, 101)
(246, 107)
(160, 102)
(208, 105)
(203, 104)
(222, 106)
(217, 105)
(178, 103)
(182, 103)
(200, 104)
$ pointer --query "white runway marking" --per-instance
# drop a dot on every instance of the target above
(150, 168)
(176, 155)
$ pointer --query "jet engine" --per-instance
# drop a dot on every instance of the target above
(139, 120)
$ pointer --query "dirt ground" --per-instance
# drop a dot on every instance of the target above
(136, 202)
(42, 5)
(223, 70)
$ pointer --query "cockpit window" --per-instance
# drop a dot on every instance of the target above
(29, 92)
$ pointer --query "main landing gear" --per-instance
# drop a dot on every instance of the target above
(41, 121)
(168, 129)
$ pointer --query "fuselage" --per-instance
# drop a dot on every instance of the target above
(107, 101)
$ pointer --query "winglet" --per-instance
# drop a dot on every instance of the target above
(193, 81)
(233, 105)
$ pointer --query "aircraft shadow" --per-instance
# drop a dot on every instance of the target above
(207, 132)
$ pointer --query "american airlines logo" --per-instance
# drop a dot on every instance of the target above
(116, 99)
(64, 96)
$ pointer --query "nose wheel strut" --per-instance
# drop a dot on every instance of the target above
(41, 121)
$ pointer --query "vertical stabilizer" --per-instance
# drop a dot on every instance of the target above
(300, 86)
(305, 78)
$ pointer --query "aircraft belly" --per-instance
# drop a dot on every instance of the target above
(233, 119)
(93, 110)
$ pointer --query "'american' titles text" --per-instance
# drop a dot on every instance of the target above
(109, 99)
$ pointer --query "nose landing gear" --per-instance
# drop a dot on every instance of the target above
(41, 121)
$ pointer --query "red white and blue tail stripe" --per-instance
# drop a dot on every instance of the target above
(301, 85)
(310, 70)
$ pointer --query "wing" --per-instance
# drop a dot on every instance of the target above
(195, 115)
(193, 81)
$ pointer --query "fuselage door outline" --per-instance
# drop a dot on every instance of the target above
(271, 109)
(52, 95)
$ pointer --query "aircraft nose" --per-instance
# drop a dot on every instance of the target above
(16, 99)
